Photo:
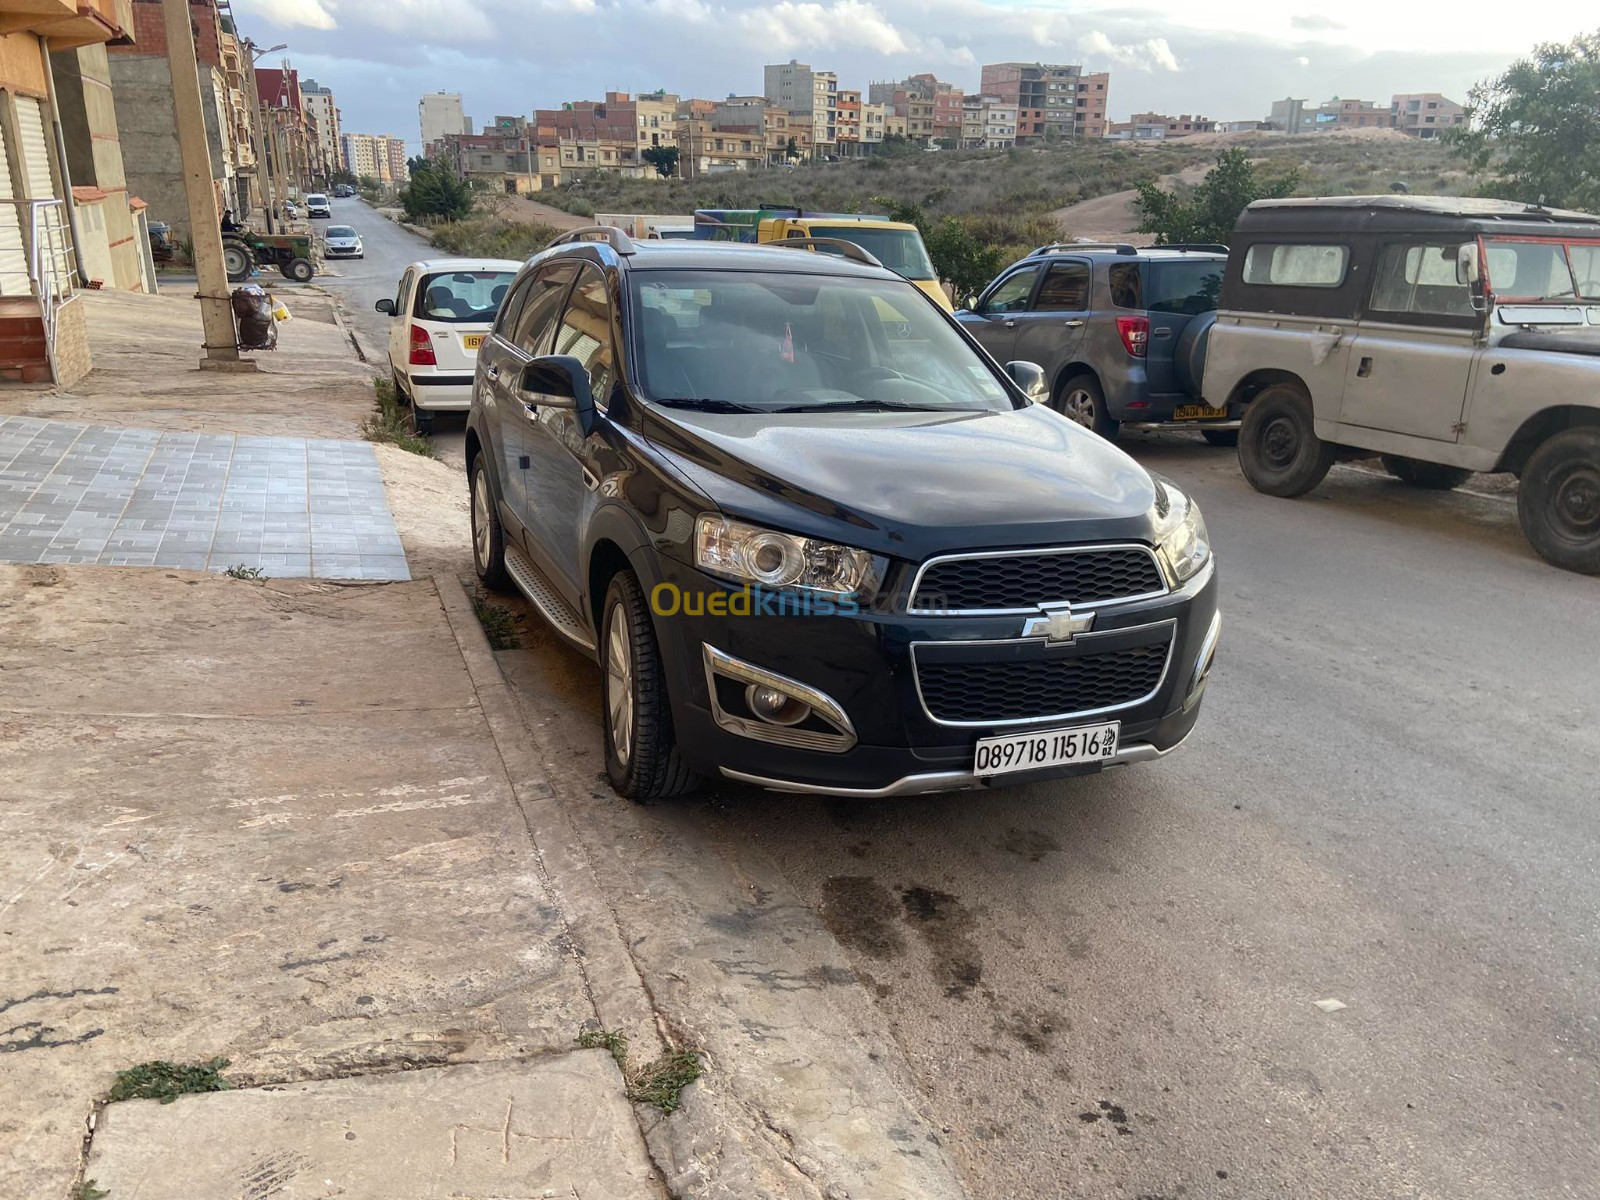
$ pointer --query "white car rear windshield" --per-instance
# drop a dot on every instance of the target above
(462, 297)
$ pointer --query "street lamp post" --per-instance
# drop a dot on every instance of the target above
(263, 176)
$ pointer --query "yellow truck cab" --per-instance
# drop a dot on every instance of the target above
(896, 244)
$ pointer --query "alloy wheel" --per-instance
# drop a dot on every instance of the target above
(1078, 404)
(481, 533)
(619, 685)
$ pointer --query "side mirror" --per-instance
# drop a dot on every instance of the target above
(559, 381)
(385, 305)
(1467, 269)
(1030, 378)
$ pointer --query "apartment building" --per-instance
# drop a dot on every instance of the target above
(289, 132)
(324, 111)
(1425, 114)
(1155, 127)
(599, 135)
(504, 157)
(658, 119)
(801, 92)
(440, 113)
(704, 148)
(375, 156)
(874, 125)
(987, 123)
(848, 125)
(1054, 101)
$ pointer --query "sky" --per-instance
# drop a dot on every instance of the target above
(1227, 59)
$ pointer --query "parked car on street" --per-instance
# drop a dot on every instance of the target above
(342, 241)
(442, 311)
(1111, 325)
(1446, 335)
(317, 206)
(817, 540)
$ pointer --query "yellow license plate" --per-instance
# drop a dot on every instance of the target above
(472, 340)
(1199, 412)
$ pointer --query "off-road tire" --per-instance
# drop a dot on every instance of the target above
(1433, 476)
(1558, 500)
(1083, 400)
(237, 260)
(1279, 451)
(1221, 437)
(488, 538)
(651, 769)
(298, 269)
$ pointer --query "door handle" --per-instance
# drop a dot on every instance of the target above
(1364, 371)
(1010, 324)
(1161, 332)
(1073, 324)
(492, 372)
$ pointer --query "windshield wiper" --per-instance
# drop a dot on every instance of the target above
(706, 404)
(862, 406)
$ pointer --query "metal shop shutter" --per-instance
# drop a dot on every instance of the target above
(36, 159)
(13, 259)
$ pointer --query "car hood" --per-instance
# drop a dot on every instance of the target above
(909, 484)
(343, 241)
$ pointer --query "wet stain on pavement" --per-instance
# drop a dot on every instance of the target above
(861, 912)
(1029, 844)
(946, 926)
(1035, 1028)
(1109, 1111)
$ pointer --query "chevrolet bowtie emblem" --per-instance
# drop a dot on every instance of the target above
(1058, 624)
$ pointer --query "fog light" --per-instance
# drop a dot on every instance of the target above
(779, 708)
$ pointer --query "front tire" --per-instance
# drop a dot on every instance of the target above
(642, 760)
(1558, 500)
(299, 269)
(1083, 400)
(1279, 451)
(1419, 474)
(488, 538)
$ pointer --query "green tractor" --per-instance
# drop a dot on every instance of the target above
(245, 249)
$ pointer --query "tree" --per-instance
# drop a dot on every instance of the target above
(1211, 212)
(663, 158)
(435, 192)
(1538, 120)
(342, 176)
(791, 150)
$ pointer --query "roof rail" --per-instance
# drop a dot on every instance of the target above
(846, 249)
(610, 234)
(1195, 247)
(1076, 247)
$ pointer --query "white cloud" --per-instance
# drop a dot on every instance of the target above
(1302, 61)
(788, 27)
(299, 14)
(1152, 54)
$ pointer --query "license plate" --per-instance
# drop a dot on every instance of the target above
(472, 340)
(1049, 748)
(1199, 412)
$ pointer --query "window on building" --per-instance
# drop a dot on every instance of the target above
(1433, 104)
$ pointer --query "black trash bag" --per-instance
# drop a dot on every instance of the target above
(252, 309)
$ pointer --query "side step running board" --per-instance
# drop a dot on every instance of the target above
(532, 583)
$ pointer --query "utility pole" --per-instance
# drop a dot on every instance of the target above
(258, 138)
(205, 222)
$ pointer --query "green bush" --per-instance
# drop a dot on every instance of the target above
(492, 237)
(435, 193)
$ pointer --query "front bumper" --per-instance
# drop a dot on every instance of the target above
(865, 663)
(341, 252)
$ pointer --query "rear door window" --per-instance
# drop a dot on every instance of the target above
(1065, 288)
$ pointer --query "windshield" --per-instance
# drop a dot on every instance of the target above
(316, 199)
(901, 250)
(739, 341)
(468, 297)
(1535, 270)
(340, 231)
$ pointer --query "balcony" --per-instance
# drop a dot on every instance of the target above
(68, 24)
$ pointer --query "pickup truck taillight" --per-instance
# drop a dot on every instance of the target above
(422, 348)
(1135, 334)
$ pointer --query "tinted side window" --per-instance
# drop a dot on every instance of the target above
(1184, 287)
(1419, 280)
(531, 333)
(1012, 293)
(1296, 265)
(506, 319)
(585, 332)
(1065, 288)
(400, 294)
(1127, 285)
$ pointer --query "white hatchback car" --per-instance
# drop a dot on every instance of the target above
(342, 241)
(442, 311)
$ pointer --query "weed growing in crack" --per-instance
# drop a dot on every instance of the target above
(390, 423)
(499, 623)
(88, 1191)
(660, 1083)
(240, 571)
(165, 1081)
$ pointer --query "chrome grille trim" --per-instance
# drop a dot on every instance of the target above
(1031, 609)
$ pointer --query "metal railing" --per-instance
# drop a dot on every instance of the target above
(52, 269)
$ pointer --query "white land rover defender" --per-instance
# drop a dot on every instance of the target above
(1447, 335)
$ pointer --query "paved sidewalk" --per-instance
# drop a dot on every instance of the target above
(206, 502)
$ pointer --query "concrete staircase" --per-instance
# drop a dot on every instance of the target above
(24, 348)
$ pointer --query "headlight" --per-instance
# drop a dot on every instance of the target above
(1182, 540)
(751, 554)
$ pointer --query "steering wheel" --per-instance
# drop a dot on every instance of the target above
(866, 374)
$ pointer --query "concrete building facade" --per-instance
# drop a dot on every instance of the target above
(802, 92)
(440, 113)
(1055, 102)
(324, 110)
(1425, 114)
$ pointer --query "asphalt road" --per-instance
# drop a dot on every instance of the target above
(1108, 987)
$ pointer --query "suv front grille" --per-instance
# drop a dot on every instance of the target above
(1023, 582)
(993, 692)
